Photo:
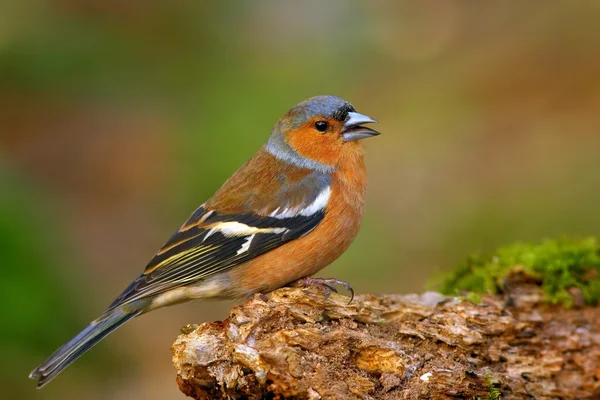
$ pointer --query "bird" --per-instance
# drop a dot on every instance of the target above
(288, 212)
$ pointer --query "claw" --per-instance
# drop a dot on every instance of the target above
(330, 287)
(326, 284)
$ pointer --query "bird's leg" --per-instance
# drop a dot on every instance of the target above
(325, 284)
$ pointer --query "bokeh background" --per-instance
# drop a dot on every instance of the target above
(118, 118)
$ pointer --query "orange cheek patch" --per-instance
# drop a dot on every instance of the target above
(324, 148)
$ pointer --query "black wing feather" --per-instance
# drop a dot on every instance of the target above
(195, 252)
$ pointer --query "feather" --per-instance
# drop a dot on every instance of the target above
(218, 243)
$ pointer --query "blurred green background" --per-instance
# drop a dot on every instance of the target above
(118, 118)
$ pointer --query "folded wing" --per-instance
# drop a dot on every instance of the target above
(209, 243)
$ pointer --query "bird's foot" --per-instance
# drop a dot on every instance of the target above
(325, 284)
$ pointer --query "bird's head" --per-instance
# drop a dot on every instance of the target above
(320, 130)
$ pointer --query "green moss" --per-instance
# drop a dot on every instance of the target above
(559, 264)
(472, 297)
(494, 392)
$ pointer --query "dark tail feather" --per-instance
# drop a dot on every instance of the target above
(85, 340)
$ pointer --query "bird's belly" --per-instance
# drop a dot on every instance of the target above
(213, 287)
(301, 257)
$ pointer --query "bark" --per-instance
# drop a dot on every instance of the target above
(299, 343)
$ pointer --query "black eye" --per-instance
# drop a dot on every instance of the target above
(321, 126)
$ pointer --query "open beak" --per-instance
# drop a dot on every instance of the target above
(353, 129)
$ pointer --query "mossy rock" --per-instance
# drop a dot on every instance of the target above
(559, 265)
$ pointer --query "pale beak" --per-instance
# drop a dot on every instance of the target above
(353, 129)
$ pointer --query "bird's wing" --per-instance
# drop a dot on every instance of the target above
(210, 242)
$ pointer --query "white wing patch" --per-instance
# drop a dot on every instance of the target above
(234, 228)
(319, 203)
(316, 206)
(285, 213)
(246, 245)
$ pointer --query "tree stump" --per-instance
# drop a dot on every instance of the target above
(301, 344)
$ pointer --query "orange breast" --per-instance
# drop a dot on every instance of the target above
(319, 248)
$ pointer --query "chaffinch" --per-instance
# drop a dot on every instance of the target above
(288, 212)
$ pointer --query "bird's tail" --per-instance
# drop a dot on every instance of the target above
(85, 340)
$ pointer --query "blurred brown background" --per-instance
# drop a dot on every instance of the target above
(118, 118)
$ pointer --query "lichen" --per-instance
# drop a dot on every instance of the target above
(558, 265)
